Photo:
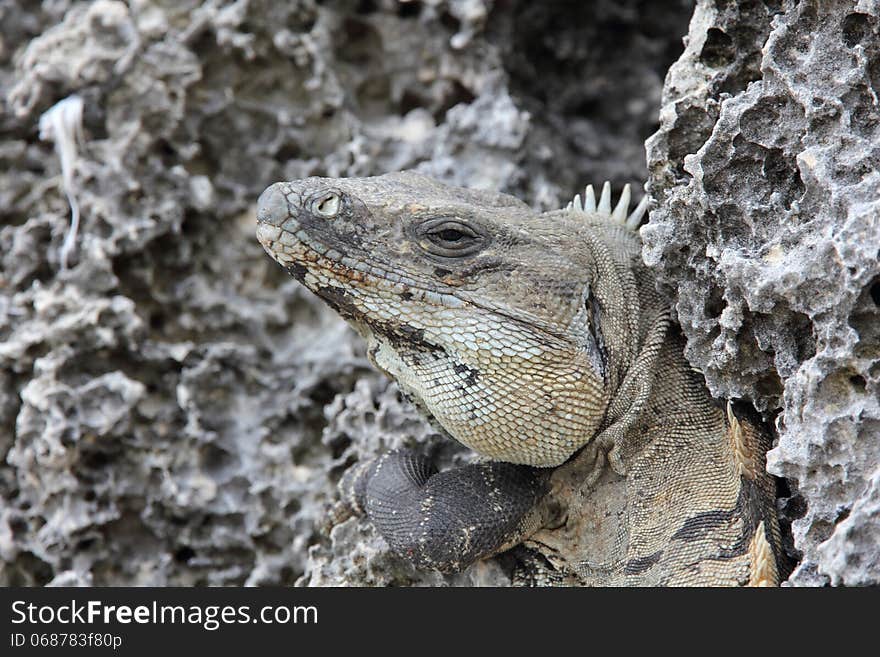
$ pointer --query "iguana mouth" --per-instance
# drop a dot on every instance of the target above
(296, 249)
(297, 253)
(305, 252)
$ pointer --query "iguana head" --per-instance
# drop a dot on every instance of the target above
(490, 315)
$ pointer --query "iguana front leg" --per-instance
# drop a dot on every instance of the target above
(446, 520)
(693, 505)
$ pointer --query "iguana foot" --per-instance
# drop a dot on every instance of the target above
(446, 520)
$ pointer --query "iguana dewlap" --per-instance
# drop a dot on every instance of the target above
(539, 341)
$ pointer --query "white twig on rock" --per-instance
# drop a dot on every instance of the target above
(62, 123)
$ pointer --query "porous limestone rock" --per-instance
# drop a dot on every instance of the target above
(174, 409)
(766, 232)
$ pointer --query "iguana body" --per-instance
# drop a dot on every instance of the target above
(538, 340)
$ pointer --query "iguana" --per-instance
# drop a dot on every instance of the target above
(537, 340)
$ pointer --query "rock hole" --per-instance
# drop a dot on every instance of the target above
(360, 43)
(288, 575)
(409, 8)
(323, 393)
(770, 385)
(297, 23)
(28, 570)
(875, 293)
(775, 168)
(19, 527)
(718, 50)
(290, 150)
(856, 28)
(216, 459)
(409, 101)
(94, 460)
(859, 383)
(714, 304)
(339, 445)
(449, 21)
(184, 554)
(783, 175)
(167, 152)
(157, 322)
(85, 544)
(796, 507)
(455, 95)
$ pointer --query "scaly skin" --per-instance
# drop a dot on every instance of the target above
(537, 340)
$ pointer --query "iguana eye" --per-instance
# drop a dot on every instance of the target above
(451, 232)
(450, 238)
(327, 206)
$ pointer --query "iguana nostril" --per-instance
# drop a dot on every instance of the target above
(272, 206)
(327, 207)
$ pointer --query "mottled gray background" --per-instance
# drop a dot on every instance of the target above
(175, 410)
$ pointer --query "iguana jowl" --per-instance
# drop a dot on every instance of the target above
(538, 340)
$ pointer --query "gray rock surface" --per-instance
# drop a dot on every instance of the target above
(766, 175)
(174, 409)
